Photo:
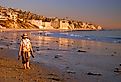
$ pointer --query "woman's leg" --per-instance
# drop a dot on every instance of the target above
(24, 65)
(28, 65)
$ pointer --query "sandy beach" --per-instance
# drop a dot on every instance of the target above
(59, 60)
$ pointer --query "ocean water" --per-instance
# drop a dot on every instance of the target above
(109, 36)
(112, 36)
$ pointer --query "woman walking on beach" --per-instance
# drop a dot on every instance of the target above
(25, 51)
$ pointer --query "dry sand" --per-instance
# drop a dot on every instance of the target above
(60, 60)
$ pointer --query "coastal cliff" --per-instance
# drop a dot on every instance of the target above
(19, 19)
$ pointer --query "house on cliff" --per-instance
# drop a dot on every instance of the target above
(46, 23)
(55, 23)
(37, 23)
(61, 24)
(64, 24)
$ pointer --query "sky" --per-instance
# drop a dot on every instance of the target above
(106, 13)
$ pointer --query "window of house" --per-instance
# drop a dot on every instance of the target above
(63, 21)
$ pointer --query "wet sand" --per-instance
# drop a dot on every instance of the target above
(11, 70)
(60, 60)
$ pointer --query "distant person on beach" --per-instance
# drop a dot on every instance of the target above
(25, 51)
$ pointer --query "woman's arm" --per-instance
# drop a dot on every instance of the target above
(19, 53)
(31, 51)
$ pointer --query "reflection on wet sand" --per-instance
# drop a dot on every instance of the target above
(73, 57)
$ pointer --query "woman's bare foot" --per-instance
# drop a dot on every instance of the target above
(28, 67)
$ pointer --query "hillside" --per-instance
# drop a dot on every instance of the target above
(18, 19)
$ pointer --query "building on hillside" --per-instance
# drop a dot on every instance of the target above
(99, 27)
(36, 22)
(1, 27)
(84, 25)
(92, 27)
(64, 24)
(47, 23)
(55, 23)
(3, 17)
(71, 25)
(3, 12)
(12, 15)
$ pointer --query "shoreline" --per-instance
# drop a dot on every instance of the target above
(58, 30)
(68, 60)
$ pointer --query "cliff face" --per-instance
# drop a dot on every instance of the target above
(14, 18)
(17, 19)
